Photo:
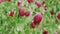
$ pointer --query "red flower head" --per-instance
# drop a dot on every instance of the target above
(18, 3)
(45, 32)
(37, 18)
(0, 1)
(21, 12)
(45, 7)
(58, 15)
(27, 13)
(11, 13)
(32, 24)
(38, 4)
(30, 1)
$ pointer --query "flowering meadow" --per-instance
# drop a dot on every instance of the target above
(29, 16)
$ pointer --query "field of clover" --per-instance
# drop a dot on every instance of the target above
(29, 16)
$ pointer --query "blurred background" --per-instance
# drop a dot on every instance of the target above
(12, 21)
